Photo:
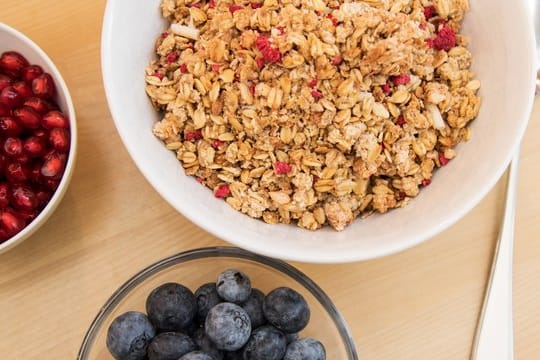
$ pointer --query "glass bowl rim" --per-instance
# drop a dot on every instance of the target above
(218, 251)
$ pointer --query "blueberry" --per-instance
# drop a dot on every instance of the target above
(233, 286)
(265, 343)
(228, 326)
(171, 307)
(253, 307)
(286, 309)
(291, 337)
(170, 346)
(128, 336)
(197, 355)
(207, 297)
(206, 345)
(305, 349)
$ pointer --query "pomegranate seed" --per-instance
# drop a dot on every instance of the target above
(282, 168)
(13, 63)
(401, 79)
(10, 127)
(222, 191)
(233, 8)
(23, 158)
(53, 167)
(255, 5)
(31, 72)
(5, 195)
(23, 89)
(193, 135)
(28, 117)
(59, 139)
(426, 182)
(443, 160)
(312, 83)
(13, 147)
(24, 198)
(5, 81)
(51, 184)
(42, 134)
(316, 94)
(54, 119)
(16, 173)
(34, 146)
(10, 97)
(11, 223)
(40, 105)
(27, 215)
(183, 68)
(43, 196)
(43, 86)
(4, 111)
(2, 163)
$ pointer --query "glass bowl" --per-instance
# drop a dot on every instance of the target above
(196, 267)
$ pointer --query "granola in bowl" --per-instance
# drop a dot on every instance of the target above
(309, 111)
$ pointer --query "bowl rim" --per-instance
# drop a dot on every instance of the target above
(59, 193)
(329, 257)
(211, 252)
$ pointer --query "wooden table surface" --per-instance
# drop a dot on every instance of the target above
(420, 304)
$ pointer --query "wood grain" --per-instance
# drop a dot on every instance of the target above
(419, 304)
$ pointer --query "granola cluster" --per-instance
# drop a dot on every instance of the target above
(313, 112)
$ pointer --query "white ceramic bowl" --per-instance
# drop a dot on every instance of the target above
(503, 49)
(11, 39)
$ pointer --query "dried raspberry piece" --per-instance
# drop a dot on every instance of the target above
(183, 68)
(312, 83)
(252, 89)
(333, 19)
(281, 29)
(193, 135)
(215, 68)
(222, 191)
(429, 43)
(422, 26)
(164, 35)
(217, 143)
(255, 5)
(401, 79)
(282, 168)
(199, 180)
(172, 57)
(260, 63)
(400, 120)
(429, 12)
(401, 195)
(268, 52)
(197, 5)
(233, 8)
(159, 75)
(443, 160)
(316, 94)
(211, 4)
(387, 89)
(337, 60)
(426, 182)
(446, 38)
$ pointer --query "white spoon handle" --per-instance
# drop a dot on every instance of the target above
(494, 335)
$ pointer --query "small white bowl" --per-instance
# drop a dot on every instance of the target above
(502, 44)
(11, 39)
